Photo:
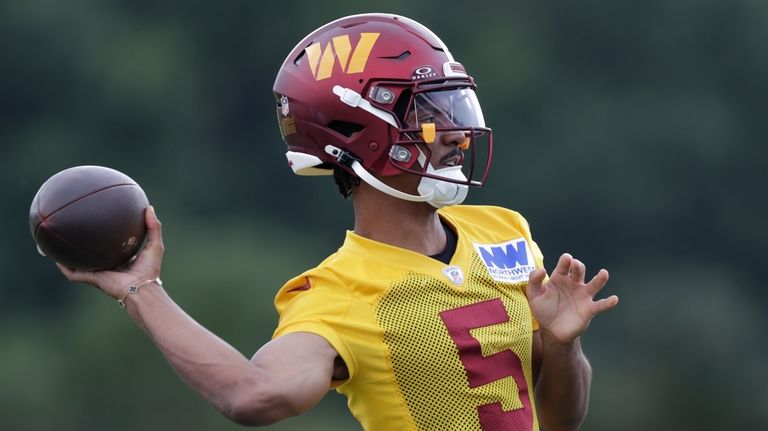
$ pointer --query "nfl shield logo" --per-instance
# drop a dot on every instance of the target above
(284, 108)
(454, 274)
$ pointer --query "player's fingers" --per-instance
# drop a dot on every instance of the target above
(604, 304)
(577, 271)
(153, 223)
(154, 231)
(76, 276)
(563, 265)
(535, 280)
(150, 259)
(66, 271)
(598, 281)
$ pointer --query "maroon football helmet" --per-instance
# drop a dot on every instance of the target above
(371, 93)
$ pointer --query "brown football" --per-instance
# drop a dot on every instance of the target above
(89, 218)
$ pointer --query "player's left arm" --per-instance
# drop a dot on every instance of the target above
(564, 306)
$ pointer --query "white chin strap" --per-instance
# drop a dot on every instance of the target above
(444, 193)
(433, 191)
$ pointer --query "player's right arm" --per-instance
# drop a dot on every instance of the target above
(287, 376)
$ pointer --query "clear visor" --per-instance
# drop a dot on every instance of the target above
(457, 107)
(434, 120)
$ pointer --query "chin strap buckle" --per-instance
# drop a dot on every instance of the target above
(343, 157)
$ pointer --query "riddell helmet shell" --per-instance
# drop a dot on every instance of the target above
(363, 93)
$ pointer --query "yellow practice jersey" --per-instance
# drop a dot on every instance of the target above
(429, 346)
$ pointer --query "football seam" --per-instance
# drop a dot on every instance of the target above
(68, 242)
(42, 220)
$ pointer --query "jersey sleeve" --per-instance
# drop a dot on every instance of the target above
(315, 302)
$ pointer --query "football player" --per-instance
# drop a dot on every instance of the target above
(432, 315)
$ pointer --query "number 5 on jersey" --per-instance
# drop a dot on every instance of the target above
(482, 370)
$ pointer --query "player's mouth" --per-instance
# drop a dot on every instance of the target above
(454, 158)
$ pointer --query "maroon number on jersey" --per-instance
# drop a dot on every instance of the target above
(482, 370)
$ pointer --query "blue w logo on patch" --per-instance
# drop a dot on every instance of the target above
(510, 256)
(508, 262)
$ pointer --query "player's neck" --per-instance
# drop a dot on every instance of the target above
(413, 226)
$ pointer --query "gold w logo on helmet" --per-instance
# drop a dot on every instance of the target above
(321, 60)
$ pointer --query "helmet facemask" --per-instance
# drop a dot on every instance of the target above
(440, 116)
(445, 119)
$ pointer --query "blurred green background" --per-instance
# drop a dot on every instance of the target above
(631, 134)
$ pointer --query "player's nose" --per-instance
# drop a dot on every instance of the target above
(455, 138)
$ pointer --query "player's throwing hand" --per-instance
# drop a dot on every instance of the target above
(115, 283)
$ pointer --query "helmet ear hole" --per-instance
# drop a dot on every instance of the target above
(345, 128)
(401, 106)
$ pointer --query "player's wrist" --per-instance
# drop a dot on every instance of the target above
(132, 290)
(553, 342)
